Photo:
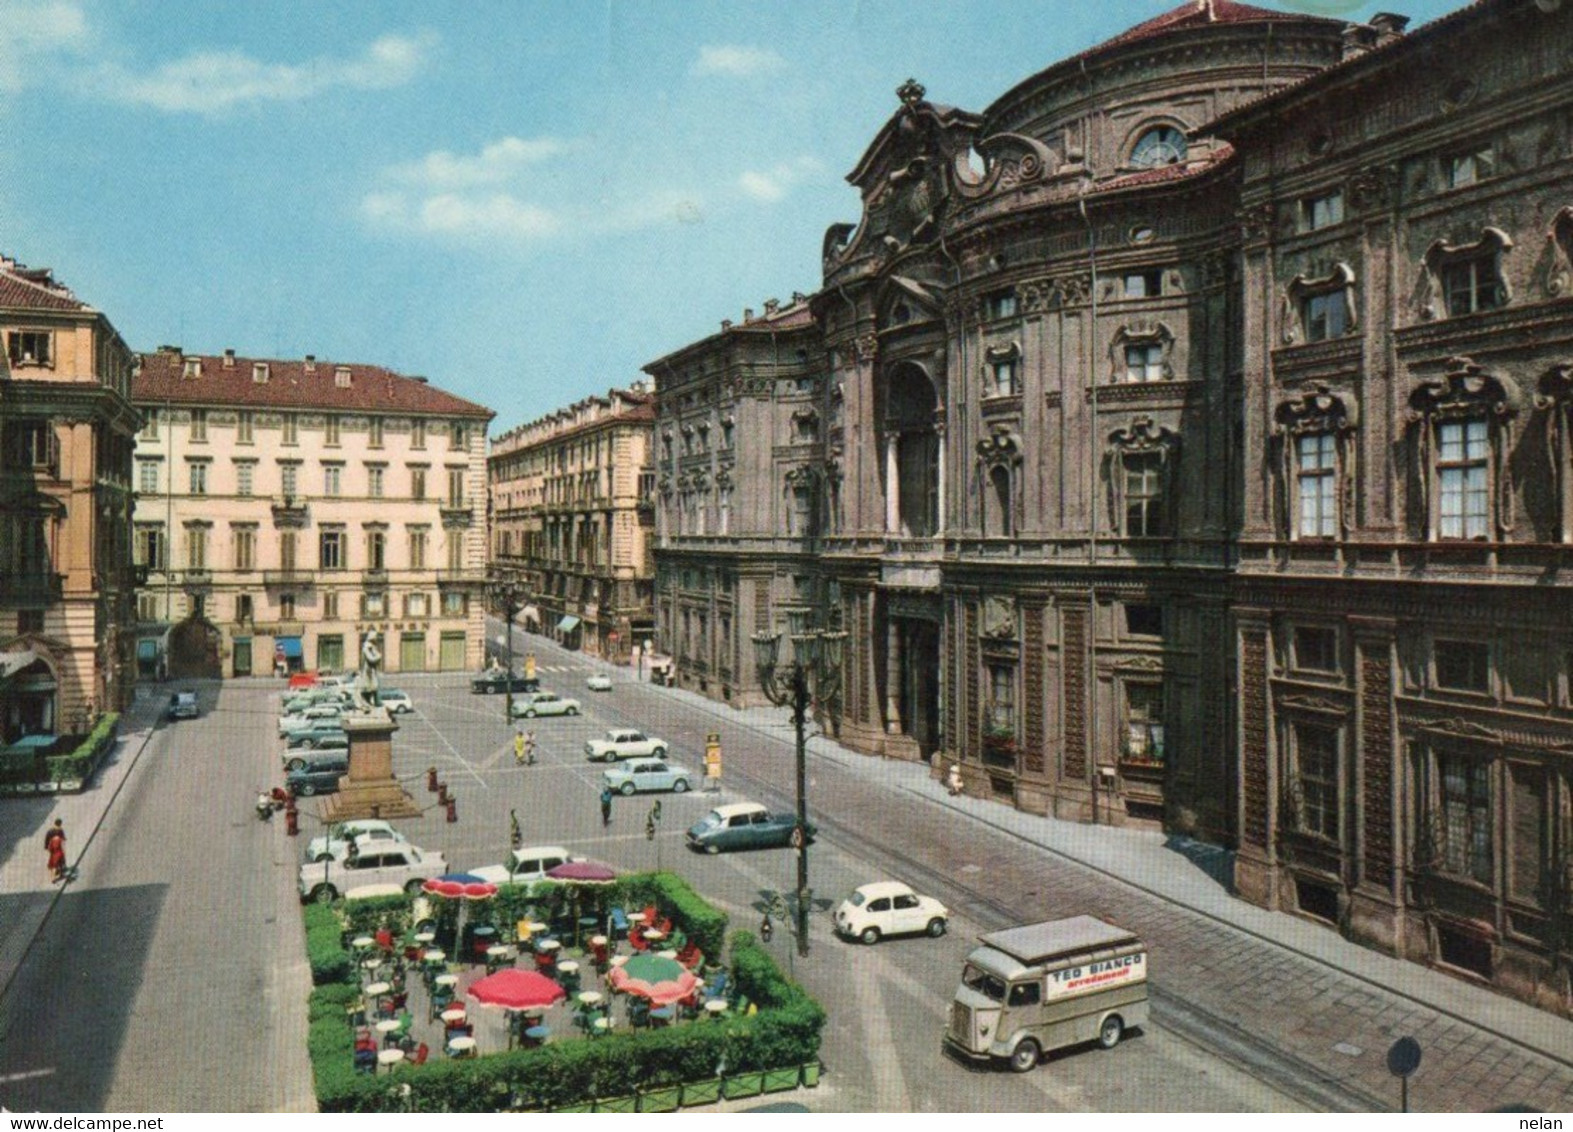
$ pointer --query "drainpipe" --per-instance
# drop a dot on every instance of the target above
(1092, 495)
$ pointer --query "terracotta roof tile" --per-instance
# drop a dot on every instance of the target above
(25, 288)
(1196, 13)
(1176, 172)
(290, 386)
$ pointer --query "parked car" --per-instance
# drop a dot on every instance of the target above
(624, 743)
(328, 736)
(743, 825)
(496, 680)
(337, 840)
(598, 682)
(317, 713)
(372, 862)
(183, 705)
(647, 774)
(396, 701)
(296, 756)
(889, 907)
(544, 703)
(302, 680)
(318, 774)
(314, 697)
(661, 669)
(529, 864)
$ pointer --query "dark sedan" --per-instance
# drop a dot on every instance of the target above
(318, 776)
(490, 683)
(743, 825)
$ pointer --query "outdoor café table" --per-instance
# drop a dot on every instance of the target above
(618, 960)
(434, 956)
(537, 1035)
(568, 967)
(448, 980)
(362, 942)
(453, 1014)
(372, 963)
(669, 953)
(549, 945)
(598, 941)
(601, 1025)
(589, 998)
(377, 990)
(423, 938)
(715, 1007)
(653, 936)
(636, 917)
(498, 951)
(387, 1026)
(390, 1057)
(461, 1045)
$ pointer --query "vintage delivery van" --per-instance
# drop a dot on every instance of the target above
(1044, 986)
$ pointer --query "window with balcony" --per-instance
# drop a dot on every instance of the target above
(150, 548)
(1326, 315)
(455, 550)
(376, 550)
(1463, 473)
(245, 476)
(417, 549)
(197, 471)
(1453, 828)
(1143, 724)
(1316, 485)
(1472, 283)
(1144, 503)
(286, 607)
(289, 480)
(197, 547)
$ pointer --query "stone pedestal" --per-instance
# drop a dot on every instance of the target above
(369, 790)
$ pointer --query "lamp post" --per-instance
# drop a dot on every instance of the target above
(813, 673)
(508, 594)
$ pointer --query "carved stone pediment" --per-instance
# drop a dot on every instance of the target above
(999, 618)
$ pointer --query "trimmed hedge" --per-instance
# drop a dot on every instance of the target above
(783, 1034)
(80, 763)
(330, 962)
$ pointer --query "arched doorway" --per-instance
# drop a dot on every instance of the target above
(911, 453)
(194, 650)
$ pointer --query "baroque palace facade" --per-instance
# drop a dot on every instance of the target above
(571, 518)
(1184, 439)
(287, 507)
(66, 577)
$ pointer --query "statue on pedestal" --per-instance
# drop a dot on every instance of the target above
(366, 682)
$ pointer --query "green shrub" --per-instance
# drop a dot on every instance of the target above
(330, 962)
(365, 916)
(80, 763)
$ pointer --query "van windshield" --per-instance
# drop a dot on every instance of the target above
(990, 986)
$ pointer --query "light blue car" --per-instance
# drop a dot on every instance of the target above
(647, 774)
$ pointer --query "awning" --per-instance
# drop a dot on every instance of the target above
(290, 647)
(14, 661)
(147, 650)
(568, 624)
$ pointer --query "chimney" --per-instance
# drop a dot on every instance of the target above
(229, 359)
(176, 350)
(748, 314)
(1388, 27)
(771, 306)
(726, 324)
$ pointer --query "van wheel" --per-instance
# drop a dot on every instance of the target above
(1024, 1058)
(937, 927)
(870, 936)
(1110, 1032)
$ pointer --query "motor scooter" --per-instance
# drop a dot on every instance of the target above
(270, 802)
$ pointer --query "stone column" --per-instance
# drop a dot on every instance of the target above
(893, 675)
(940, 525)
(892, 486)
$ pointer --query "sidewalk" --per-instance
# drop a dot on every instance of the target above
(1190, 875)
(27, 895)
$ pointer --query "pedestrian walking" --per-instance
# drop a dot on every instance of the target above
(55, 846)
(606, 805)
(529, 747)
(518, 746)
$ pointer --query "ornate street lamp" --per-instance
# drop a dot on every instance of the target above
(510, 596)
(812, 677)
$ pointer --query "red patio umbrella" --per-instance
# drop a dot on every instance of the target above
(513, 989)
(662, 981)
(582, 872)
(460, 886)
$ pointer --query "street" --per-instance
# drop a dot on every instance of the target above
(173, 977)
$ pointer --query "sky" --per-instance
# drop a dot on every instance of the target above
(524, 202)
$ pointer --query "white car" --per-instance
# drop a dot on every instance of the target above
(372, 862)
(889, 907)
(292, 724)
(624, 743)
(395, 701)
(337, 839)
(544, 703)
(529, 864)
(599, 682)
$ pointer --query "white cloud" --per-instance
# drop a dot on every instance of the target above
(34, 33)
(773, 184)
(211, 82)
(737, 60)
(496, 163)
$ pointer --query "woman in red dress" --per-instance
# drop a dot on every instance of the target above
(55, 844)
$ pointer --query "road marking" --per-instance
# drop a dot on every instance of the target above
(461, 759)
(890, 1084)
(27, 1075)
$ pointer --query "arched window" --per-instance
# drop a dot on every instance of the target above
(1159, 146)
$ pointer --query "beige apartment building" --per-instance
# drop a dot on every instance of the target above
(286, 507)
(66, 429)
(572, 512)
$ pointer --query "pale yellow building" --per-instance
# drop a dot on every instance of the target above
(287, 507)
(66, 428)
(572, 515)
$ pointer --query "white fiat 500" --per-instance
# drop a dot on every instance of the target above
(888, 907)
